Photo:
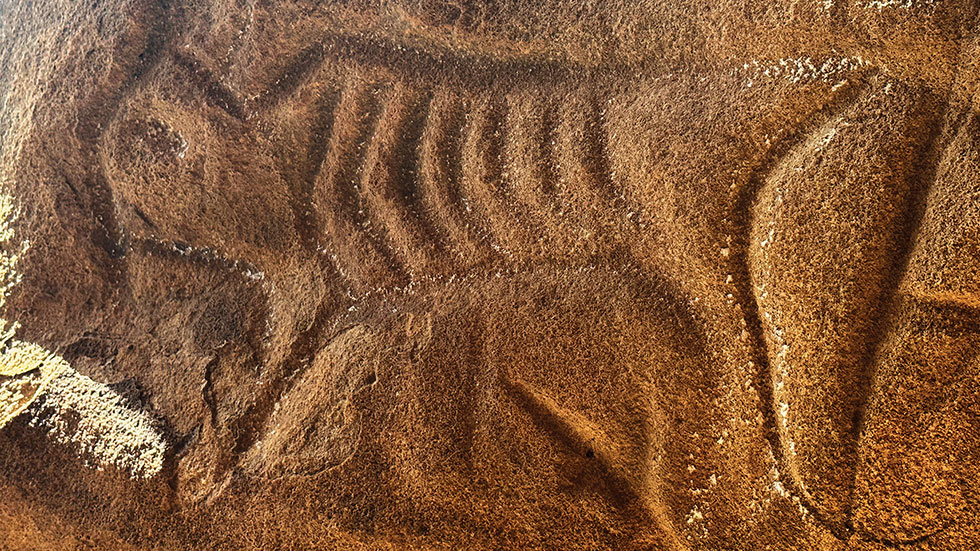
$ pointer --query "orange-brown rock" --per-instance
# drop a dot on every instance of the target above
(489, 275)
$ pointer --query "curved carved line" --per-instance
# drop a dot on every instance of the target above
(435, 61)
(215, 93)
(743, 198)
(441, 172)
(391, 182)
(304, 210)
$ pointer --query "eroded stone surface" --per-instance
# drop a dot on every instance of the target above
(464, 275)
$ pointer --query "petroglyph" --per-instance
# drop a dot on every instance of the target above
(390, 249)
(411, 184)
(807, 357)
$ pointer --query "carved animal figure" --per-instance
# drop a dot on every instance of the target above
(484, 275)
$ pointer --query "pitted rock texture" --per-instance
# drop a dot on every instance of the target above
(491, 275)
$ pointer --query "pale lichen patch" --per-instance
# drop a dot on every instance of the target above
(96, 420)
(73, 408)
(25, 370)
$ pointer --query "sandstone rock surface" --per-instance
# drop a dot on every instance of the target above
(489, 275)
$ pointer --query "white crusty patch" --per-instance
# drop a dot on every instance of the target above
(897, 4)
(97, 421)
(802, 70)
